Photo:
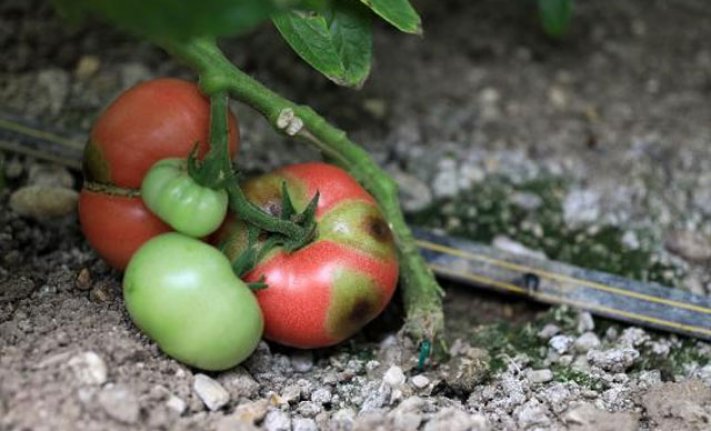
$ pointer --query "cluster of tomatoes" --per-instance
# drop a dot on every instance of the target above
(143, 213)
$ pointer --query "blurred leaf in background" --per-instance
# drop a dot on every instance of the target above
(399, 13)
(555, 16)
(336, 41)
(166, 20)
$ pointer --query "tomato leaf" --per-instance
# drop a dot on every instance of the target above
(177, 19)
(336, 41)
(555, 16)
(399, 13)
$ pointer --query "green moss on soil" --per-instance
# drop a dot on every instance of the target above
(488, 210)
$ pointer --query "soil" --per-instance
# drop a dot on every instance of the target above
(617, 112)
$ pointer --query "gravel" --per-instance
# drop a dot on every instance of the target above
(210, 392)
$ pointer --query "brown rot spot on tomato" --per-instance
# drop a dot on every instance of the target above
(378, 229)
(94, 165)
(273, 207)
(355, 301)
(362, 308)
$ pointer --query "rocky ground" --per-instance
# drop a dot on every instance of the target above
(595, 150)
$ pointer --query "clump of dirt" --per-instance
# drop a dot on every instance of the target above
(679, 406)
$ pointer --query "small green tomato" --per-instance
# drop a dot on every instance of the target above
(183, 294)
(170, 192)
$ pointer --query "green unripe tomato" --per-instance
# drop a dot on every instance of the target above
(170, 192)
(183, 294)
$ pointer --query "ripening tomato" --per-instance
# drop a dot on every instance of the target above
(183, 294)
(152, 121)
(325, 292)
(116, 225)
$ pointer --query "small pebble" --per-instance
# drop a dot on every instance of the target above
(291, 393)
(614, 360)
(89, 368)
(253, 411)
(302, 361)
(394, 376)
(176, 404)
(83, 280)
(585, 322)
(277, 420)
(561, 343)
(120, 404)
(692, 246)
(540, 376)
(548, 331)
(304, 424)
(420, 381)
(210, 392)
(587, 341)
(43, 202)
(321, 396)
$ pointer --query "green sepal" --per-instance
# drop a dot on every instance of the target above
(287, 206)
(246, 261)
(307, 220)
(258, 285)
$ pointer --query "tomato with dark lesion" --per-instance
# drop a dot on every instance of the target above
(328, 290)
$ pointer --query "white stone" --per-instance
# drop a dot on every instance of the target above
(321, 396)
(420, 381)
(586, 342)
(302, 361)
(614, 360)
(176, 404)
(304, 424)
(277, 420)
(394, 376)
(120, 404)
(89, 368)
(540, 376)
(561, 343)
(210, 392)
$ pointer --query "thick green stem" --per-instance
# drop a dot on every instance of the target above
(216, 168)
(421, 293)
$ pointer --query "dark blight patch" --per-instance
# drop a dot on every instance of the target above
(95, 166)
(378, 229)
(358, 225)
(266, 193)
(355, 301)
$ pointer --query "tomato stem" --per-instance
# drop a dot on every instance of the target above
(215, 171)
(216, 168)
(421, 293)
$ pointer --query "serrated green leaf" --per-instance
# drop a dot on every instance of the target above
(337, 41)
(178, 19)
(555, 16)
(399, 13)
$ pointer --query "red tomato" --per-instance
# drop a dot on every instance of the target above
(325, 292)
(116, 226)
(152, 121)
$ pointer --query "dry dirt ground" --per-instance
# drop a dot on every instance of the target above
(618, 113)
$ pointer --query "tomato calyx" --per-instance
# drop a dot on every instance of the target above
(260, 242)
